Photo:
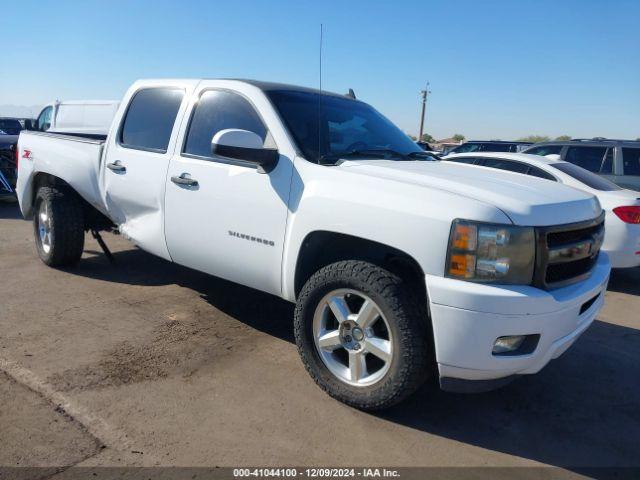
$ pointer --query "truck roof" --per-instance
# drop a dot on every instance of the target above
(262, 85)
(271, 86)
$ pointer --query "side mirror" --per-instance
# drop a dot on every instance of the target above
(244, 145)
(553, 156)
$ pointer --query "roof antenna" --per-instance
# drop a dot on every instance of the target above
(351, 94)
(320, 96)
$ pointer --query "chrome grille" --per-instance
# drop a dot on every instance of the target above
(567, 253)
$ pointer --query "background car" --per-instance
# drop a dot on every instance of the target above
(489, 146)
(79, 116)
(622, 221)
(615, 160)
(427, 148)
(9, 130)
(10, 126)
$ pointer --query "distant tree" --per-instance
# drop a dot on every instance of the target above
(412, 137)
(534, 138)
(638, 139)
(458, 137)
(563, 138)
(427, 138)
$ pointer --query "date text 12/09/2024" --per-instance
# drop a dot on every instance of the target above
(316, 472)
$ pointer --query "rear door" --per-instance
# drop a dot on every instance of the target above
(137, 160)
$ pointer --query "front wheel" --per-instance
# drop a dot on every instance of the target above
(58, 225)
(362, 335)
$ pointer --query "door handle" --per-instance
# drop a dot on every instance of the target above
(185, 179)
(117, 166)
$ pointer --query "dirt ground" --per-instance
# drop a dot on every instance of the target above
(148, 363)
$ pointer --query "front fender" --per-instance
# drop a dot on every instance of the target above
(411, 218)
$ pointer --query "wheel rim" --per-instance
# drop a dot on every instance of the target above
(44, 227)
(353, 337)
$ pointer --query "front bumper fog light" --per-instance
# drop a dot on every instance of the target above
(515, 345)
(507, 344)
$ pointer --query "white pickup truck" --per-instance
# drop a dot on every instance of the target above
(402, 267)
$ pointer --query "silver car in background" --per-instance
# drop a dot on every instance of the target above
(616, 160)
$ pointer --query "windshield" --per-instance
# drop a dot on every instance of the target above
(327, 128)
(10, 127)
(585, 176)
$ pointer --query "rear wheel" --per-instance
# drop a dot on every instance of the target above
(58, 225)
(362, 335)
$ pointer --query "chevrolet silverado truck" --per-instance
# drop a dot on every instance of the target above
(402, 267)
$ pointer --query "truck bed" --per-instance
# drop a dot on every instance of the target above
(97, 137)
(75, 158)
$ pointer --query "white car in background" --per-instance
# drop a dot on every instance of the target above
(77, 116)
(622, 222)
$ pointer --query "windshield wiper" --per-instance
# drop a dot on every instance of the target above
(423, 155)
(382, 153)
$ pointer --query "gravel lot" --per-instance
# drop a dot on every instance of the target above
(149, 363)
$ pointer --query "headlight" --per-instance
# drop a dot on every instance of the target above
(492, 253)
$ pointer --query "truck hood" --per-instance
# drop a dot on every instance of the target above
(524, 199)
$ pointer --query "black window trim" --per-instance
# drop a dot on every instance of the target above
(124, 119)
(480, 163)
(221, 160)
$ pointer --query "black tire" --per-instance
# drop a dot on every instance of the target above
(66, 243)
(407, 317)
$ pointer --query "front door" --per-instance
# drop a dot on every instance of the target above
(230, 222)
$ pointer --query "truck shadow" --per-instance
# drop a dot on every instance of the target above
(9, 209)
(625, 280)
(581, 412)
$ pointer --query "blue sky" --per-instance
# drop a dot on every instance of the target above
(498, 69)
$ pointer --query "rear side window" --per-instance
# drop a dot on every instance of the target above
(44, 120)
(589, 158)
(589, 179)
(631, 161)
(538, 172)
(545, 150)
(150, 118)
(508, 165)
(607, 164)
(219, 110)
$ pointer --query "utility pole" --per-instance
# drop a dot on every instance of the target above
(424, 94)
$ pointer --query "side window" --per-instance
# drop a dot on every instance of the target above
(44, 119)
(467, 147)
(607, 164)
(150, 117)
(545, 150)
(508, 165)
(219, 110)
(631, 161)
(589, 158)
(496, 147)
(538, 172)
